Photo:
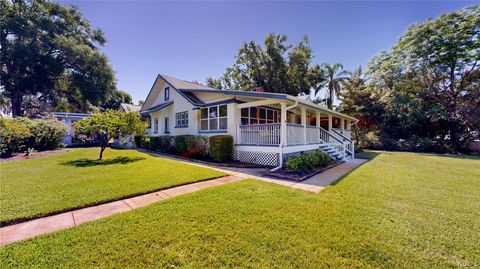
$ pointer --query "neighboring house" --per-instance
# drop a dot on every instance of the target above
(266, 127)
(68, 119)
(124, 107)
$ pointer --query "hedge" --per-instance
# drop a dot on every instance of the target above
(307, 161)
(20, 134)
(221, 148)
(191, 146)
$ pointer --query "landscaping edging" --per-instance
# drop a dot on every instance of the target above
(304, 177)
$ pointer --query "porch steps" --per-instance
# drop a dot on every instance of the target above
(331, 152)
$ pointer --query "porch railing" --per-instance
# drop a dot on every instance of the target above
(259, 134)
(313, 135)
(295, 134)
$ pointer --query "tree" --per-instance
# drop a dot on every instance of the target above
(110, 124)
(334, 75)
(116, 98)
(275, 67)
(433, 71)
(50, 53)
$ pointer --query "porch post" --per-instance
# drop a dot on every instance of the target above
(304, 123)
(329, 122)
(342, 125)
(317, 118)
(283, 124)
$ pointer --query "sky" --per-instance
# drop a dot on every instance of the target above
(194, 40)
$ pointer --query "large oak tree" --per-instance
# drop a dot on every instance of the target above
(50, 54)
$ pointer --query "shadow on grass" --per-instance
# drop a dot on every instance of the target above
(368, 155)
(466, 157)
(89, 162)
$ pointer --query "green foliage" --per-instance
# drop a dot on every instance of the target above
(20, 134)
(164, 143)
(107, 125)
(47, 134)
(221, 148)
(191, 146)
(50, 57)
(429, 83)
(334, 76)
(307, 161)
(276, 67)
(14, 136)
(116, 98)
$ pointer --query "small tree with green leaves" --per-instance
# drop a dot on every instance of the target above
(110, 124)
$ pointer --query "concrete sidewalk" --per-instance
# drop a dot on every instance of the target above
(28, 229)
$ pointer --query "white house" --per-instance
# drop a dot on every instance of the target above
(68, 119)
(266, 127)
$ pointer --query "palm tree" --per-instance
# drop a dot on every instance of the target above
(335, 75)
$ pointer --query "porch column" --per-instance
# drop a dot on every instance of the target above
(349, 126)
(342, 125)
(283, 124)
(304, 123)
(330, 122)
(317, 118)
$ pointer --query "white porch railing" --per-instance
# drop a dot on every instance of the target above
(261, 134)
(313, 135)
(295, 134)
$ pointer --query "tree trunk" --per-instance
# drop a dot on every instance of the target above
(16, 100)
(102, 149)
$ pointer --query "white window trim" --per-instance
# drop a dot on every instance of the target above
(218, 118)
(181, 119)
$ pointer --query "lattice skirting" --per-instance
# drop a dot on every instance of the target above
(262, 158)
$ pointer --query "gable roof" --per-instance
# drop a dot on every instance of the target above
(129, 107)
(156, 108)
(183, 84)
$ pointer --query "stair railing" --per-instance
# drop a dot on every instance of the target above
(337, 144)
(350, 145)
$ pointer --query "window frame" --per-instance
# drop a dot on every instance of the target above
(181, 119)
(215, 120)
(155, 125)
(166, 94)
(254, 116)
(166, 125)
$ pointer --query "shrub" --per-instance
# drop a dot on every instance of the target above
(154, 143)
(307, 161)
(191, 146)
(47, 134)
(221, 147)
(13, 136)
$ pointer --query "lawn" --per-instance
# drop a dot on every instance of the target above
(41, 186)
(400, 210)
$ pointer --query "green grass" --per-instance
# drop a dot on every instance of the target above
(400, 210)
(41, 186)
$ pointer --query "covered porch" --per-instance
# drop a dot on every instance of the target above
(283, 128)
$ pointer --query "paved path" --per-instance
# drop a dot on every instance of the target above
(28, 229)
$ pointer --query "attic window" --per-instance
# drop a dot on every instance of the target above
(167, 93)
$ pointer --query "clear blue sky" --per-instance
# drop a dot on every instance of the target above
(193, 40)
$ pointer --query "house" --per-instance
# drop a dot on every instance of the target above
(68, 119)
(124, 107)
(266, 127)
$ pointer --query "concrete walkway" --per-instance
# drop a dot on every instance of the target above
(28, 229)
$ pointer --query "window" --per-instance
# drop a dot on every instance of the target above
(181, 119)
(213, 118)
(167, 93)
(167, 130)
(259, 115)
(155, 125)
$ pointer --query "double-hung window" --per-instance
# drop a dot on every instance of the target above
(181, 119)
(167, 128)
(259, 115)
(213, 118)
(155, 125)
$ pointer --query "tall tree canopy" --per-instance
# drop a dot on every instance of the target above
(276, 67)
(49, 54)
(430, 80)
(334, 76)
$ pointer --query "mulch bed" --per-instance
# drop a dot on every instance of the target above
(300, 176)
(39, 154)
